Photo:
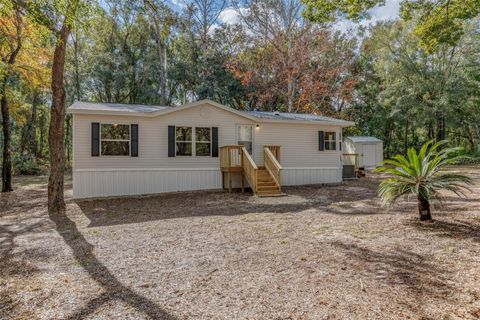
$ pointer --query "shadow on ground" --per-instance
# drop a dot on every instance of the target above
(125, 210)
(113, 289)
(424, 279)
(455, 229)
(14, 264)
(399, 267)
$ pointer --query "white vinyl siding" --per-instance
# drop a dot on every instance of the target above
(118, 182)
(299, 145)
(153, 139)
(153, 171)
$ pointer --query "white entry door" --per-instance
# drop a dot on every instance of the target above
(369, 155)
(245, 137)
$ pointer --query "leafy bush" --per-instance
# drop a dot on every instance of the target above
(462, 157)
(28, 165)
(473, 160)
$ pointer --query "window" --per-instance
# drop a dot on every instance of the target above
(203, 144)
(190, 140)
(115, 139)
(330, 141)
(245, 137)
(183, 139)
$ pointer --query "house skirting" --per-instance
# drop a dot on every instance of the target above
(95, 183)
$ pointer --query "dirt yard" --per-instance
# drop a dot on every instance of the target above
(322, 252)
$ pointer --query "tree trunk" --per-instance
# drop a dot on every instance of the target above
(7, 154)
(29, 137)
(424, 209)
(33, 124)
(56, 132)
(163, 69)
(440, 128)
(431, 135)
(477, 127)
(290, 94)
(77, 72)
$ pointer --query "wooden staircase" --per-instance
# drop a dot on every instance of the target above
(264, 180)
(266, 185)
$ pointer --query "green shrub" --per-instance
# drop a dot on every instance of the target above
(473, 160)
(27, 165)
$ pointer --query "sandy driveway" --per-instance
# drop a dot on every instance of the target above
(323, 252)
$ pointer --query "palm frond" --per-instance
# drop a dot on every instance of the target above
(419, 174)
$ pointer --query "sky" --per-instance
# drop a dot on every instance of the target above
(389, 11)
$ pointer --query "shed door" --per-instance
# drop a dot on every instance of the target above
(369, 156)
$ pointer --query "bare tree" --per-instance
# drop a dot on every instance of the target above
(206, 14)
(278, 23)
(162, 19)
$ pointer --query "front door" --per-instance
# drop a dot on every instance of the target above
(245, 136)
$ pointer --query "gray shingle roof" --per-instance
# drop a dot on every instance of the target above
(150, 110)
(120, 107)
(363, 139)
(293, 116)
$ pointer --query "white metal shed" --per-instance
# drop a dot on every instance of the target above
(369, 150)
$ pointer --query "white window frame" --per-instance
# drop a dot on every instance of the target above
(327, 142)
(253, 134)
(127, 140)
(194, 137)
(193, 141)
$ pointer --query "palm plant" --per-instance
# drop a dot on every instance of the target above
(420, 174)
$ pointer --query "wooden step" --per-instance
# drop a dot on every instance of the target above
(266, 188)
(267, 184)
(270, 194)
(264, 178)
(269, 178)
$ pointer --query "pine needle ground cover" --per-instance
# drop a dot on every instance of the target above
(328, 252)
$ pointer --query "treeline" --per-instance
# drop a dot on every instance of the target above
(399, 80)
(271, 58)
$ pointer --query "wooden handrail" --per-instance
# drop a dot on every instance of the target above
(275, 150)
(236, 159)
(250, 169)
(230, 156)
(273, 166)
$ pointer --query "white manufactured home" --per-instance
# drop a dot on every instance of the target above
(121, 149)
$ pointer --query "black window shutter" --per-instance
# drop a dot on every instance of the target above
(340, 140)
(215, 142)
(171, 141)
(95, 139)
(134, 140)
(321, 141)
